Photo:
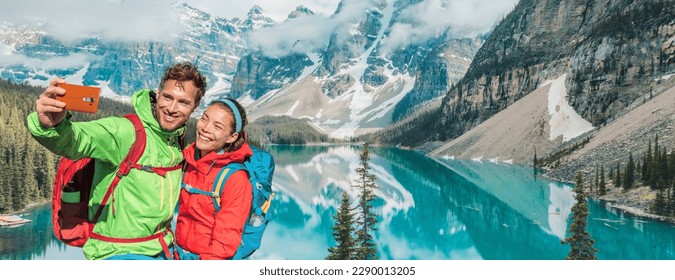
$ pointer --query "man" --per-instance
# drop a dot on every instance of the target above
(143, 202)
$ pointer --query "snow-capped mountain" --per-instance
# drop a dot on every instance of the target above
(347, 74)
(120, 68)
(357, 83)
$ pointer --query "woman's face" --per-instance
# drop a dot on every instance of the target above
(214, 129)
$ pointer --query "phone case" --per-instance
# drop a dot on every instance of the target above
(80, 98)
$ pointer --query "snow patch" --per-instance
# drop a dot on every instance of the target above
(246, 100)
(309, 69)
(78, 77)
(290, 110)
(222, 84)
(564, 120)
(663, 78)
(107, 92)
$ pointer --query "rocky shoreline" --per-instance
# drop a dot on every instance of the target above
(636, 201)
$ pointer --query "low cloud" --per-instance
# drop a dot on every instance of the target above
(307, 33)
(295, 36)
(117, 20)
(76, 60)
(415, 24)
(276, 9)
(457, 18)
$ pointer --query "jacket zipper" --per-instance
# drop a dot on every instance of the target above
(173, 159)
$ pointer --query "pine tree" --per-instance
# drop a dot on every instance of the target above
(611, 174)
(344, 248)
(668, 201)
(617, 179)
(602, 188)
(672, 198)
(655, 170)
(629, 174)
(659, 205)
(597, 178)
(671, 166)
(367, 220)
(663, 168)
(646, 165)
(581, 243)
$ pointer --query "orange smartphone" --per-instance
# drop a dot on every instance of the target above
(80, 98)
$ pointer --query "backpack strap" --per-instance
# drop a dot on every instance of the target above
(129, 162)
(132, 157)
(218, 183)
(221, 179)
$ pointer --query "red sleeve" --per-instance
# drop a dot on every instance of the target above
(235, 204)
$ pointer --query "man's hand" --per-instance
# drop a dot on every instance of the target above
(51, 111)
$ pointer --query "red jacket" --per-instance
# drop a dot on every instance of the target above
(198, 229)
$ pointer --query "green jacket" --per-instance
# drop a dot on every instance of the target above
(143, 203)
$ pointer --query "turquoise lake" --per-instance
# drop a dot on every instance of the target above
(429, 209)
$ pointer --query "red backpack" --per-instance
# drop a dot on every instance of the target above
(72, 189)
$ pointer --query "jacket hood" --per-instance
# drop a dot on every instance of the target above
(144, 109)
(215, 159)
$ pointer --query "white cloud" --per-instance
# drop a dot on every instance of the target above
(416, 24)
(58, 62)
(149, 20)
(139, 20)
(307, 33)
(299, 35)
(460, 18)
(276, 9)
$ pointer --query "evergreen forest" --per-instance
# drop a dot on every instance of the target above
(28, 169)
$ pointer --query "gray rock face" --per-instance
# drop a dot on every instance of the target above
(608, 48)
(440, 68)
(257, 74)
(300, 10)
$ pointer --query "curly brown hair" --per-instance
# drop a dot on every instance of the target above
(182, 72)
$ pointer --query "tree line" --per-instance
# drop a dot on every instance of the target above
(655, 168)
(285, 130)
(28, 169)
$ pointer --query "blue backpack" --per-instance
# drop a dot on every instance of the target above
(260, 169)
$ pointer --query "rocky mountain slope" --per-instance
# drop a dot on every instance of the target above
(613, 54)
(613, 64)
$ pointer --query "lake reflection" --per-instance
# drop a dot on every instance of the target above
(429, 209)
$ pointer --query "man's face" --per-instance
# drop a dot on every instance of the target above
(175, 104)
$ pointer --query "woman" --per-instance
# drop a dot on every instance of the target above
(201, 231)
